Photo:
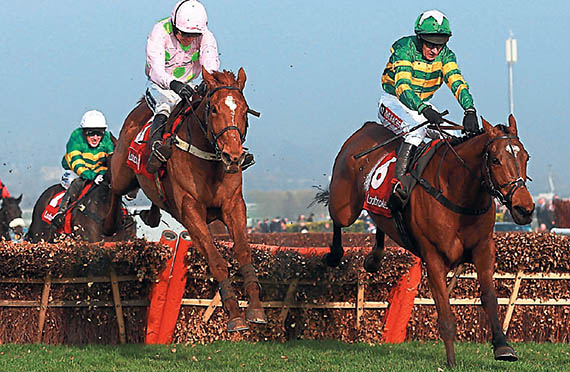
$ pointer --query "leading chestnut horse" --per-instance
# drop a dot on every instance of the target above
(490, 164)
(202, 183)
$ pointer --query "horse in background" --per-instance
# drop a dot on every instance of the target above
(450, 228)
(202, 182)
(10, 217)
(88, 213)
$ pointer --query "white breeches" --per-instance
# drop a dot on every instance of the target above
(395, 116)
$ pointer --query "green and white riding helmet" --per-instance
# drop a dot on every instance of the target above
(433, 27)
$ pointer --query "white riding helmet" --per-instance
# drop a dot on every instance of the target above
(93, 120)
(189, 16)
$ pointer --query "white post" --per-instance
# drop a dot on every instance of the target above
(511, 54)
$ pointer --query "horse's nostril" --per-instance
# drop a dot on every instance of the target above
(523, 212)
(226, 157)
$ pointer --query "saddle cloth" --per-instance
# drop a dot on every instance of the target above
(53, 206)
(139, 152)
(378, 186)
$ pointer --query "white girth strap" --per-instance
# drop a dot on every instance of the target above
(185, 146)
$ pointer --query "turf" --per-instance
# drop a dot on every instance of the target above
(289, 356)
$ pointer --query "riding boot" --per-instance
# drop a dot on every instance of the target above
(248, 160)
(160, 151)
(400, 193)
(70, 194)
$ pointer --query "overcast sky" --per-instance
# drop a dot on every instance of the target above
(313, 71)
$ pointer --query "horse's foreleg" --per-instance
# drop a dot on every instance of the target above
(372, 261)
(235, 220)
(110, 224)
(484, 264)
(437, 272)
(194, 219)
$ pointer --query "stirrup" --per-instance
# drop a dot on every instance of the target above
(159, 155)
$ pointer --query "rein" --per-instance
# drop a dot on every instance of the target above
(487, 181)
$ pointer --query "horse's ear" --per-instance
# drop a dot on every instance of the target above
(486, 125)
(513, 125)
(19, 198)
(207, 77)
(113, 139)
(241, 78)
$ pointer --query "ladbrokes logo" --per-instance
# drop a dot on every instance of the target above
(135, 159)
(372, 200)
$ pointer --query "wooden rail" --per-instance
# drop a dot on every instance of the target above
(287, 303)
(44, 302)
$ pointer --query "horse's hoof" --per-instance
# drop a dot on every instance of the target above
(256, 316)
(237, 324)
(371, 264)
(506, 353)
(332, 261)
(150, 219)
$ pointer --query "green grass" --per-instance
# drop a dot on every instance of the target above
(290, 356)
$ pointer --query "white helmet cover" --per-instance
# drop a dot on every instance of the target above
(189, 16)
(93, 120)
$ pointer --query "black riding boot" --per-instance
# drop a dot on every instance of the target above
(70, 194)
(248, 160)
(400, 194)
(160, 151)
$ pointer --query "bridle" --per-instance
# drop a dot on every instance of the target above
(207, 129)
(490, 182)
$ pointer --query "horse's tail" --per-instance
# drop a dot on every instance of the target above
(322, 196)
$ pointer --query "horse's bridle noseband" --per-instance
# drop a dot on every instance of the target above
(488, 179)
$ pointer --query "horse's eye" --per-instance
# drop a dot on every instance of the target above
(214, 110)
(496, 161)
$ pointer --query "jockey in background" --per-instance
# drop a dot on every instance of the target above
(417, 67)
(176, 50)
(85, 159)
(4, 193)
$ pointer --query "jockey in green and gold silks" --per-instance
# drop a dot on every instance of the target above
(414, 80)
(417, 67)
(86, 161)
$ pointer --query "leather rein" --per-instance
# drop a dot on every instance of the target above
(487, 181)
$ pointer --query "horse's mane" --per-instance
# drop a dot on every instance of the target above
(458, 140)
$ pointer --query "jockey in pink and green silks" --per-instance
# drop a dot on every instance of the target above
(176, 50)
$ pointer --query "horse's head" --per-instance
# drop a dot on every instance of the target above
(226, 116)
(11, 214)
(505, 169)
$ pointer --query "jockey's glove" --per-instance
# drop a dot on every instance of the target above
(98, 179)
(183, 90)
(470, 123)
(432, 115)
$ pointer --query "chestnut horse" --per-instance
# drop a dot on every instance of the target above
(444, 235)
(203, 186)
